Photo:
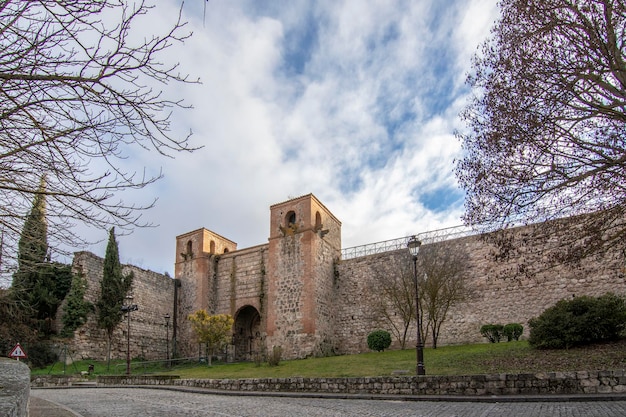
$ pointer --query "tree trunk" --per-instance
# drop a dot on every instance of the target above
(108, 350)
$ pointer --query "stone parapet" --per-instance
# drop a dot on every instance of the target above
(45, 381)
(14, 388)
(548, 383)
(135, 380)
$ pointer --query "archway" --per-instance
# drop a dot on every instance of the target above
(247, 333)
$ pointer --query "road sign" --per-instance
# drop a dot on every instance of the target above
(17, 352)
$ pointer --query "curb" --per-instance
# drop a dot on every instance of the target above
(366, 396)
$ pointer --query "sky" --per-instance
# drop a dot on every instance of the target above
(355, 101)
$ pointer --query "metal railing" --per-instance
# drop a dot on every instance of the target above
(432, 236)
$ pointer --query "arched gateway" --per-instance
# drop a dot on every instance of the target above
(278, 293)
(247, 333)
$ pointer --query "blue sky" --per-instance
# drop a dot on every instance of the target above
(353, 101)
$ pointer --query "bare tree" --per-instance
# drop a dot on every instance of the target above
(395, 303)
(442, 282)
(80, 91)
(546, 134)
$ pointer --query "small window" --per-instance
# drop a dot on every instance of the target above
(212, 247)
(187, 254)
(290, 219)
(226, 250)
(318, 220)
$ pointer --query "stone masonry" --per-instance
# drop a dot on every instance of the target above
(545, 383)
(295, 292)
(495, 297)
(154, 295)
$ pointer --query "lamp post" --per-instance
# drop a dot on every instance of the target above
(414, 247)
(127, 308)
(167, 338)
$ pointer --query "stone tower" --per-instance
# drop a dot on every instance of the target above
(304, 246)
(195, 268)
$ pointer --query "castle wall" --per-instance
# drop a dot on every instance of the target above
(231, 280)
(497, 296)
(290, 320)
(196, 254)
(240, 279)
(296, 293)
(502, 297)
(152, 292)
(325, 298)
(355, 284)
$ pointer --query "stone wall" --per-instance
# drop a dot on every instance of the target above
(14, 388)
(311, 303)
(241, 283)
(240, 278)
(326, 306)
(356, 284)
(498, 295)
(557, 383)
(154, 295)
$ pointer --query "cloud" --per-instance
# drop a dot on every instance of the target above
(354, 101)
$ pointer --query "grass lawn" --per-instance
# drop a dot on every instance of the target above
(508, 357)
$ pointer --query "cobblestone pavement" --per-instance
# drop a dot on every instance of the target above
(118, 402)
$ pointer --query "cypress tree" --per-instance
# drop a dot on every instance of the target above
(39, 285)
(113, 289)
(77, 308)
(32, 248)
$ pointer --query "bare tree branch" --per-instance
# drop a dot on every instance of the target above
(546, 134)
(79, 93)
(443, 282)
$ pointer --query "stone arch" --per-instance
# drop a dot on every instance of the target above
(318, 220)
(247, 333)
(212, 247)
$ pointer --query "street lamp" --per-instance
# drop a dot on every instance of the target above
(167, 338)
(127, 308)
(414, 247)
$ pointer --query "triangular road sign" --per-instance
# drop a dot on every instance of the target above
(17, 352)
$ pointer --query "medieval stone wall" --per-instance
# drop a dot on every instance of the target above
(232, 280)
(502, 296)
(498, 295)
(154, 295)
(326, 257)
(240, 280)
(311, 302)
(355, 285)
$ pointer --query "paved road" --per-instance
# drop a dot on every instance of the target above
(125, 402)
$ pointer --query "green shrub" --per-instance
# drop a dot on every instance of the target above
(512, 331)
(379, 340)
(579, 321)
(41, 354)
(493, 332)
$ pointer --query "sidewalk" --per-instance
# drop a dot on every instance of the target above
(43, 408)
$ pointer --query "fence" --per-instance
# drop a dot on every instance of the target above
(432, 236)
